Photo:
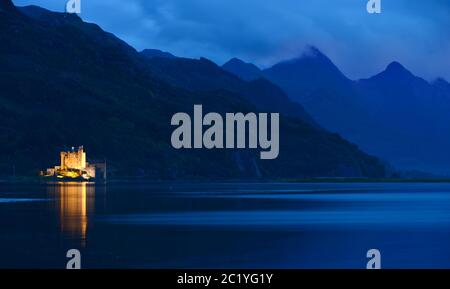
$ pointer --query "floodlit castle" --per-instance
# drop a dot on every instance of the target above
(74, 166)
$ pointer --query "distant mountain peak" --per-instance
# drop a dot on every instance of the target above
(313, 57)
(245, 70)
(394, 72)
(312, 53)
(396, 66)
(312, 66)
(236, 60)
(7, 5)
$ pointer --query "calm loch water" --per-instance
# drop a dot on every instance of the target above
(229, 225)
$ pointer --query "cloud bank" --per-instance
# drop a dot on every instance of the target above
(413, 32)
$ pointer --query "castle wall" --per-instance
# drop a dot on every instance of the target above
(90, 170)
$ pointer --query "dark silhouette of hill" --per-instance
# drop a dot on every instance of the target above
(395, 115)
(205, 75)
(246, 71)
(7, 5)
(65, 82)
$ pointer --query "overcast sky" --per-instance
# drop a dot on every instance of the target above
(413, 32)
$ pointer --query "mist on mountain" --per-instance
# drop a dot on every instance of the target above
(395, 115)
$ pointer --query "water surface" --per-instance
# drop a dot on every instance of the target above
(225, 225)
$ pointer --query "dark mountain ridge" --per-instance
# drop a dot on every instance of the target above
(7, 5)
(246, 71)
(205, 75)
(151, 53)
(396, 115)
(65, 82)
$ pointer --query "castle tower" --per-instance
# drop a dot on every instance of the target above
(74, 159)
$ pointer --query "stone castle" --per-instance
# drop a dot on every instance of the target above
(75, 166)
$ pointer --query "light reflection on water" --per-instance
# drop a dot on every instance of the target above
(75, 204)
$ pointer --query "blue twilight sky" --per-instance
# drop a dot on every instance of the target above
(413, 32)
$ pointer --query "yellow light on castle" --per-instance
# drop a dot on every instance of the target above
(73, 166)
